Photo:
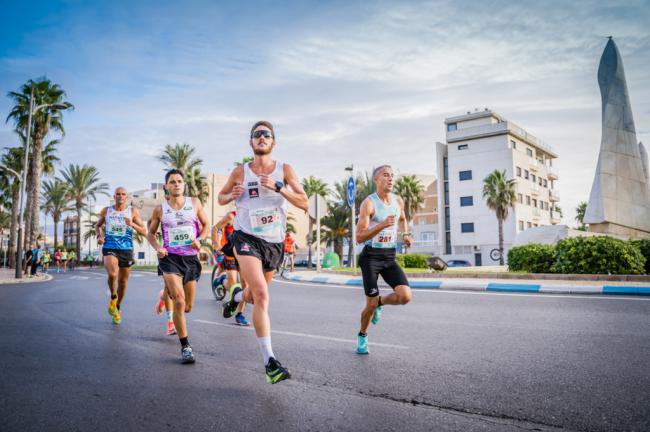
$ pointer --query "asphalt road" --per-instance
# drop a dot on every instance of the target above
(447, 361)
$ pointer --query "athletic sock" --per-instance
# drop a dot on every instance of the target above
(363, 334)
(170, 316)
(239, 296)
(184, 342)
(265, 348)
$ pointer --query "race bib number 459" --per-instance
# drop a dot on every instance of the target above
(182, 235)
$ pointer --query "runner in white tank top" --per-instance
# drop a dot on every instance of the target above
(261, 190)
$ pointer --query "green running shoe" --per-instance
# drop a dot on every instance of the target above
(376, 316)
(275, 372)
(230, 306)
(362, 345)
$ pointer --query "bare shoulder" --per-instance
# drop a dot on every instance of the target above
(367, 206)
(400, 201)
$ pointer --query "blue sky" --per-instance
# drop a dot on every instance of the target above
(361, 82)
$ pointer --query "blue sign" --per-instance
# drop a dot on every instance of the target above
(352, 191)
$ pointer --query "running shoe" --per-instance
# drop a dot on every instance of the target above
(187, 356)
(171, 330)
(112, 306)
(275, 372)
(376, 315)
(230, 306)
(117, 317)
(362, 345)
(160, 305)
(241, 319)
(218, 281)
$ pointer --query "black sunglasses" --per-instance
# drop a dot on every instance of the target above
(265, 133)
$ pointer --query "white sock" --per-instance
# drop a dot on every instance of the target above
(239, 296)
(265, 348)
(169, 316)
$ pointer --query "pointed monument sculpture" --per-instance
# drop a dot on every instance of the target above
(619, 202)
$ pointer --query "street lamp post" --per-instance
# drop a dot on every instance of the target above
(21, 222)
(353, 239)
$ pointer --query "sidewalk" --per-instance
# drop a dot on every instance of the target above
(497, 285)
(7, 276)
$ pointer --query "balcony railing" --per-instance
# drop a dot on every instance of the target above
(553, 195)
(477, 131)
(536, 213)
(534, 189)
(555, 219)
(551, 173)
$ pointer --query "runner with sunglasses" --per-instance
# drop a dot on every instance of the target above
(377, 227)
(261, 190)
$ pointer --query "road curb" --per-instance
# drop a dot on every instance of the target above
(487, 285)
(46, 278)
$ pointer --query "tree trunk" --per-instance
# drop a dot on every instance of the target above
(78, 251)
(338, 248)
(310, 238)
(13, 232)
(56, 234)
(34, 184)
(501, 261)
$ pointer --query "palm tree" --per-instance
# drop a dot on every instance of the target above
(183, 157)
(313, 186)
(55, 203)
(500, 194)
(244, 160)
(83, 183)
(13, 159)
(580, 214)
(336, 226)
(411, 191)
(48, 118)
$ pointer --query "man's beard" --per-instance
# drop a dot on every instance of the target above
(262, 151)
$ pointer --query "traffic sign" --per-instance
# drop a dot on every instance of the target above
(352, 191)
(317, 200)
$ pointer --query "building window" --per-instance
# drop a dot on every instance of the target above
(463, 147)
(526, 174)
(529, 225)
(534, 202)
(466, 201)
(467, 227)
(513, 143)
(527, 199)
(529, 152)
(447, 242)
(533, 178)
(545, 183)
(520, 198)
(465, 175)
(447, 218)
(140, 255)
(452, 127)
(445, 168)
(446, 193)
(518, 171)
(427, 236)
(521, 225)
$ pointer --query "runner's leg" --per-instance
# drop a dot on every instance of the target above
(122, 278)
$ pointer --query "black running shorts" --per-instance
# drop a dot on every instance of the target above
(187, 267)
(271, 254)
(124, 256)
(229, 264)
(375, 262)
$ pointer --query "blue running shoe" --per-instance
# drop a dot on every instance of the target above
(376, 315)
(241, 319)
(362, 345)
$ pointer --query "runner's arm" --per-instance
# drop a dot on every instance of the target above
(217, 230)
(406, 235)
(293, 191)
(137, 223)
(100, 223)
(233, 187)
(154, 223)
(203, 218)
(365, 213)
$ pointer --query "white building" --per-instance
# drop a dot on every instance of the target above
(477, 144)
(424, 225)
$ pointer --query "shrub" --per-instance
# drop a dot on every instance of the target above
(598, 255)
(412, 260)
(644, 247)
(532, 258)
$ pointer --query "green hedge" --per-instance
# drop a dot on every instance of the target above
(413, 260)
(583, 255)
(598, 255)
(532, 258)
(644, 247)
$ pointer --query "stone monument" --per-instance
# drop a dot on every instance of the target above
(619, 203)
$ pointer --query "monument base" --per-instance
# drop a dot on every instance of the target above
(618, 230)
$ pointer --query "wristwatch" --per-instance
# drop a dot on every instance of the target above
(278, 185)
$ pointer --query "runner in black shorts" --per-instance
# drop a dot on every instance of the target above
(124, 257)
(261, 190)
(184, 226)
(377, 228)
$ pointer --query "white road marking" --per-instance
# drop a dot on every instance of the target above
(328, 338)
(442, 290)
(79, 277)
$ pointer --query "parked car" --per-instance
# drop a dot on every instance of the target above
(458, 263)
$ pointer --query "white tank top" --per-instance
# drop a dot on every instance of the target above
(262, 212)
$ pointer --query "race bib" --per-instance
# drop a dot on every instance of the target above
(266, 221)
(182, 235)
(385, 238)
(116, 226)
